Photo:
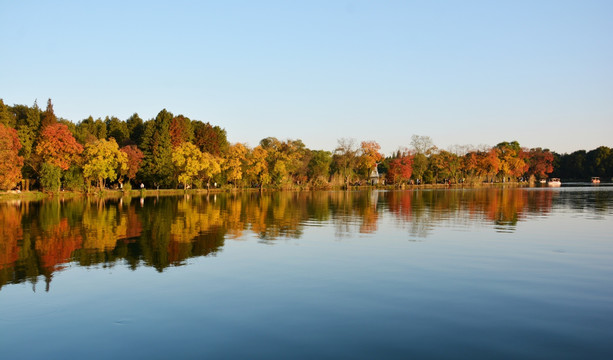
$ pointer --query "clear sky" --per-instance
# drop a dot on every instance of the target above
(461, 72)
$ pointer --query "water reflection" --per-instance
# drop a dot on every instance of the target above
(40, 238)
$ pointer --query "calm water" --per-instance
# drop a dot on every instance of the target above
(488, 273)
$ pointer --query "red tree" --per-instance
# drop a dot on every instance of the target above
(180, 130)
(135, 157)
(540, 163)
(400, 169)
(10, 161)
(58, 147)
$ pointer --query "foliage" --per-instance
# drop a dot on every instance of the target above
(157, 167)
(234, 162)
(136, 129)
(73, 179)
(369, 156)
(7, 118)
(10, 161)
(134, 158)
(48, 117)
(58, 147)
(188, 161)
(540, 163)
(210, 139)
(50, 177)
(257, 166)
(89, 130)
(103, 160)
(180, 130)
(345, 159)
(319, 165)
(117, 130)
(400, 169)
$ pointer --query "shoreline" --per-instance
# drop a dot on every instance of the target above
(111, 194)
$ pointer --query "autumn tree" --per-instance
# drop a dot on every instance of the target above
(511, 158)
(210, 139)
(188, 161)
(104, 160)
(10, 161)
(286, 160)
(400, 169)
(211, 166)
(58, 147)
(488, 163)
(134, 158)
(48, 117)
(234, 162)
(540, 163)
(369, 156)
(257, 166)
(180, 130)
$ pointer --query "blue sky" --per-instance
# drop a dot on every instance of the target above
(461, 72)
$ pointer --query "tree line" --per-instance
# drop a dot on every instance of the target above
(40, 150)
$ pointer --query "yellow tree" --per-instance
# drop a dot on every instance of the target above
(103, 159)
(369, 156)
(211, 167)
(233, 165)
(511, 158)
(188, 161)
(257, 166)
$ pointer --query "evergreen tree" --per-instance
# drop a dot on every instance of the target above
(157, 164)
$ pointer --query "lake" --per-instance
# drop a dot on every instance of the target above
(487, 273)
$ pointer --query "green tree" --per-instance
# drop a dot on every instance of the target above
(7, 118)
(345, 159)
(136, 129)
(598, 161)
(157, 167)
(50, 177)
(117, 130)
(319, 165)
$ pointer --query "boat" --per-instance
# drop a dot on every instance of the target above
(542, 181)
(554, 182)
(595, 180)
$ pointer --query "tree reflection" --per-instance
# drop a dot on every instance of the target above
(40, 238)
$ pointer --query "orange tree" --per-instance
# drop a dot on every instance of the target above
(58, 150)
(10, 161)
